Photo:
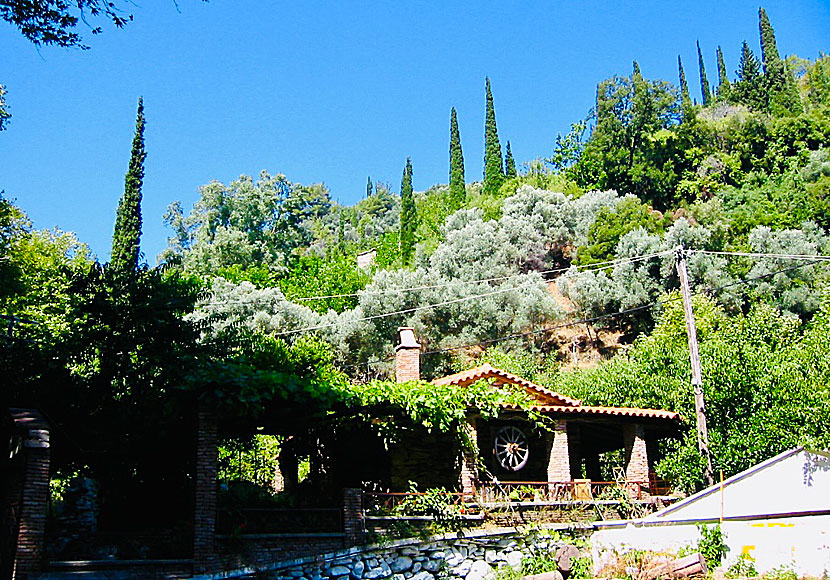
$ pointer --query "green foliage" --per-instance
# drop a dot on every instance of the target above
(685, 98)
(458, 191)
(509, 163)
(126, 238)
(711, 545)
(311, 276)
(247, 223)
(251, 459)
(435, 407)
(706, 94)
(621, 153)
(723, 76)
(761, 370)
(434, 502)
(749, 88)
(493, 168)
(743, 567)
(611, 224)
(409, 215)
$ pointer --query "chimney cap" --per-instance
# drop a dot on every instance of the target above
(407, 338)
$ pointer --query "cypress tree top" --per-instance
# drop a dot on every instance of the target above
(493, 169)
(126, 237)
(769, 51)
(685, 98)
(509, 163)
(704, 82)
(723, 77)
(408, 214)
(458, 191)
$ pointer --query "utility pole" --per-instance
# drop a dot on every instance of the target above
(694, 356)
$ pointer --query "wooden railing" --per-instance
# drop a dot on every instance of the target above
(561, 491)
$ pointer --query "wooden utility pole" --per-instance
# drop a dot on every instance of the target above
(694, 356)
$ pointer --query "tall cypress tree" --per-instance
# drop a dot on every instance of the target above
(769, 51)
(509, 163)
(780, 85)
(126, 237)
(685, 99)
(409, 217)
(458, 190)
(493, 170)
(369, 186)
(704, 82)
(723, 77)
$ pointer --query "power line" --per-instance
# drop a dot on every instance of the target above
(816, 257)
(591, 319)
(591, 267)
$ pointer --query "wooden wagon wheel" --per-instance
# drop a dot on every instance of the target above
(511, 448)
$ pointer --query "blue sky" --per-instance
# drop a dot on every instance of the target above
(332, 91)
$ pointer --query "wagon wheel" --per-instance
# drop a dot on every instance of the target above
(511, 448)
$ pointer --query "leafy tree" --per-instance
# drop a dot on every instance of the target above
(509, 163)
(622, 153)
(493, 168)
(53, 22)
(458, 191)
(249, 223)
(126, 238)
(685, 99)
(706, 94)
(723, 77)
(409, 217)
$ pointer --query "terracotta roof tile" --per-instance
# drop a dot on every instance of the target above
(614, 411)
(487, 371)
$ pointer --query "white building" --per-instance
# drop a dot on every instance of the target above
(777, 513)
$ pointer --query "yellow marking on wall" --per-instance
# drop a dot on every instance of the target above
(772, 525)
(746, 552)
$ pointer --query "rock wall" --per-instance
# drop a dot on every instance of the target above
(449, 557)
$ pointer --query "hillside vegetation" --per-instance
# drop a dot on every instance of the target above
(259, 302)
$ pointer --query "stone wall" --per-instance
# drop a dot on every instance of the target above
(449, 557)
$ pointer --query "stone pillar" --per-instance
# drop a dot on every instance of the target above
(636, 460)
(575, 450)
(352, 517)
(35, 497)
(204, 517)
(407, 357)
(559, 461)
(469, 459)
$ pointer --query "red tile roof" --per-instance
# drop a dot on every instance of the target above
(548, 401)
(614, 411)
(486, 371)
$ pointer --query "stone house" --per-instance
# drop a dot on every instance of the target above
(511, 450)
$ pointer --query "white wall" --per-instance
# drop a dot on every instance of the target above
(802, 543)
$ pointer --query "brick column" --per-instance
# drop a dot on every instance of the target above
(407, 357)
(204, 517)
(469, 459)
(559, 461)
(636, 459)
(352, 517)
(34, 503)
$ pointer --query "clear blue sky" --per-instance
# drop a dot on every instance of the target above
(332, 91)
